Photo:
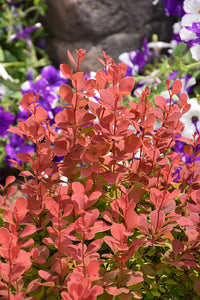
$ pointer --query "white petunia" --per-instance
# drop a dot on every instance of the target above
(4, 74)
(191, 119)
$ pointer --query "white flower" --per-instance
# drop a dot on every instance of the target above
(4, 74)
(191, 119)
(190, 23)
(155, 2)
(158, 46)
(127, 58)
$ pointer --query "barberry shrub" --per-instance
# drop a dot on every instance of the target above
(125, 225)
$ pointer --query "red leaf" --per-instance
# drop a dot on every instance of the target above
(28, 230)
(77, 75)
(117, 231)
(183, 221)
(24, 156)
(116, 291)
(11, 190)
(131, 218)
(40, 114)
(167, 83)
(93, 198)
(150, 120)
(66, 70)
(16, 130)
(81, 55)
(126, 84)
(93, 269)
(132, 144)
(160, 101)
(94, 247)
(66, 93)
(107, 98)
(192, 234)
(157, 112)
(67, 210)
(71, 57)
(44, 275)
(177, 247)
(9, 180)
(177, 85)
(135, 278)
(65, 296)
(78, 189)
(52, 206)
(79, 84)
(4, 236)
(101, 79)
(157, 218)
(60, 147)
(21, 206)
(26, 174)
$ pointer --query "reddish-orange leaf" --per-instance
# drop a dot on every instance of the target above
(126, 84)
(52, 206)
(78, 189)
(177, 247)
(167, 83)
(101, 79)
(9, 180)
(66, 70)
(92, 270)
(40, 114)
(177, 85)
(28, 230)
(160, 101)
(132, 143)
(66, 93)
(11, 190)
(71, 57)
(16, 130)
(81, 55)
(76, 76)
(79, 84)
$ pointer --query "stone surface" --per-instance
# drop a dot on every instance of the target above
(115, 26)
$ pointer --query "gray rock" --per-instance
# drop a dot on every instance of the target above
(115, 26)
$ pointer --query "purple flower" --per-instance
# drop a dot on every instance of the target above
(136, 60)
(15, 3)
(53, 76)
(174, 8)
(16, 145)
(6, 119)
(25, 34)
(48, 86)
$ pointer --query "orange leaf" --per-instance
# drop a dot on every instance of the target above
(132, 143)
(126, 84)
(66, 93)
(71, 57)
(66, 70)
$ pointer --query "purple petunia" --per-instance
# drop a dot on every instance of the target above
(47, 85)
(6, 119)
(16, 145)
(174, 8)
(25, 34)
(136, 60)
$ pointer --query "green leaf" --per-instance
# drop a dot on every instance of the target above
(155, 292)
(170, 281)
(178, 51)
(11, 85)
(2, 57)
